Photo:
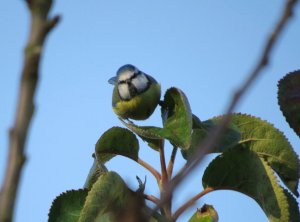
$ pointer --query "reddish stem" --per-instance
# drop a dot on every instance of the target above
(190, 202)
(154, 172)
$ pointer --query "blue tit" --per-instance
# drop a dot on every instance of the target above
(135, 95)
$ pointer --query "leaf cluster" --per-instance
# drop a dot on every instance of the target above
(254, 158)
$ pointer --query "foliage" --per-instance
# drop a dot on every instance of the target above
(111, 199)
(67, 206)
(251, 154)
(243, 170)
(289, 99)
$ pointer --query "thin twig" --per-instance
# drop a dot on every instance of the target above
(191, 202)
(40, 26)
(216, 132)
(164, 179)
(164, 174)
(171, 162)
(152, 198)
(153, 171)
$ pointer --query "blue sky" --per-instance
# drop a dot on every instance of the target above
(205, 48)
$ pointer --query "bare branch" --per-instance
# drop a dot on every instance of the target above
(216, 132)
(40, 27)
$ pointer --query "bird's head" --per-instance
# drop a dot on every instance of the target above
(130, 82)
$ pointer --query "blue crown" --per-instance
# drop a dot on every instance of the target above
(127, 67)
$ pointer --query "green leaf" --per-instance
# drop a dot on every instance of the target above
(243, 170)
(177, 122)
(293, 205)
(151, 132)
(177, 118)
(152, 135)
(289, 99)
(117, 141)
(201, 130)
(230, 138)
(197, 136)
(153, 143)
(206, 213)
(67, 206)
(196, 122)
(107, 193)
(110, 200)
(269, 143)
(96, 170)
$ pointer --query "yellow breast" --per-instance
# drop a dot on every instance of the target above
(141, 106)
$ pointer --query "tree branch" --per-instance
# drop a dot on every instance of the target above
(190, 202)
(154, 172)
(40, 27)
(151, 198)
(216, 132)
(171, 162)
(164, 174)
(164, 180)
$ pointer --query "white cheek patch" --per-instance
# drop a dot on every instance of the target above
(140, 82)
(125, 76)
(124, 91)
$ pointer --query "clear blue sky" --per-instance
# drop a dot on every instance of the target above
(206, 48)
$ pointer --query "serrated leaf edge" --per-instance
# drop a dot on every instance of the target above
(140, 131)
(280, 190)
(274, 182)
(278, 95)
(63, 194)
(275, 128)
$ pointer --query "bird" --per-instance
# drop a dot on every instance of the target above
(135, 94)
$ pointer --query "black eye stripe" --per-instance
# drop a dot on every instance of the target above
(135, 74)
(131, 78)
